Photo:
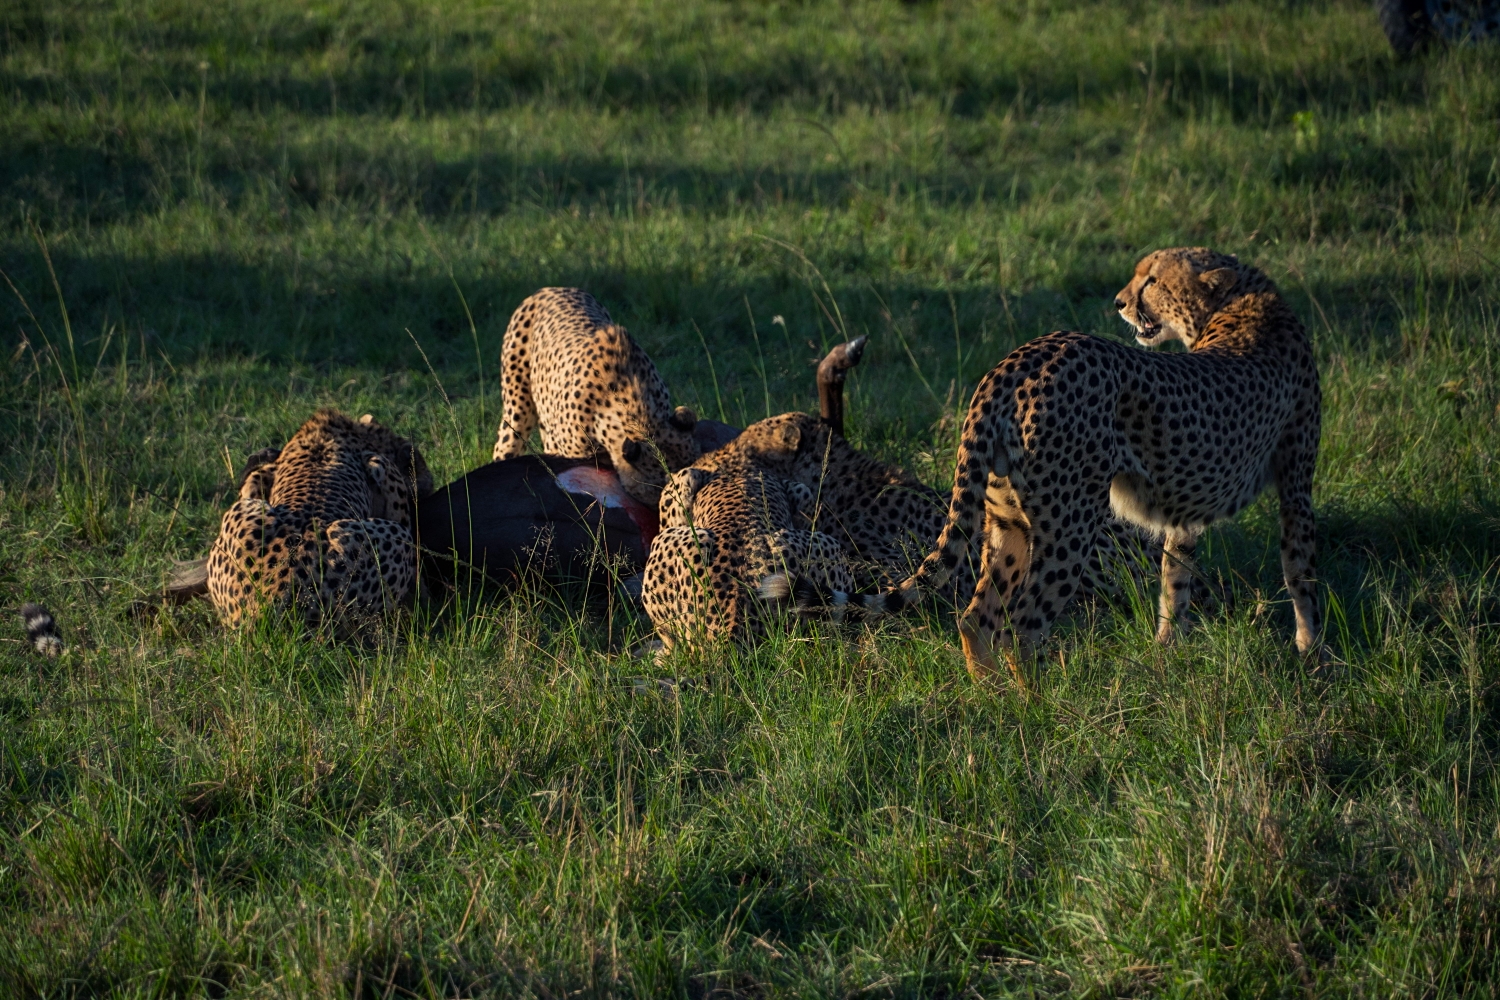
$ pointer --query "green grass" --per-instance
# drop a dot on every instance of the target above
(257, 207)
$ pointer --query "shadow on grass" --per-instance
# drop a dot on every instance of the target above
(430, 65)
(343, 310)
(107, 179)
(1395, 565)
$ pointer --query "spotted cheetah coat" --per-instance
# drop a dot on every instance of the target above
(1070, 429)
(725, 537)
(884, 518)
(566, 366)
(326, 526)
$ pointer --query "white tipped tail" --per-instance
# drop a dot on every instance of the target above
(41, 630)
(776, 587)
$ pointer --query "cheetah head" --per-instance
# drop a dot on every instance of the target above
(676, 440)
(797, 447)
(641, 468)
(776, 443)
(645, 461)
(1174, 293)
(387, 455)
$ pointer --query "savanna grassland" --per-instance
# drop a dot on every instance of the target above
(216, 217)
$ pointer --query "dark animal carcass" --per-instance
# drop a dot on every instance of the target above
(559, 518)
(564, 518)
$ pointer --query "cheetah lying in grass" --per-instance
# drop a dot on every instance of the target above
(325, 524)
(884, 518)
(723, 536)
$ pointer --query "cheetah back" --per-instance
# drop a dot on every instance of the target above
(328, 525)
(592, 389)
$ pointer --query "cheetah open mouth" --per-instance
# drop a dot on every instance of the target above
(1146, 325)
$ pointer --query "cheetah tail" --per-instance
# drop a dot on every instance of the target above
(41, 630)
(978, 460)
(808, 599)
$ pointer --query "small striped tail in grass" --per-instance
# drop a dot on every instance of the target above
(807, 598)
(41, 630)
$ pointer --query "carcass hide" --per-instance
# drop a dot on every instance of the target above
(564, 518)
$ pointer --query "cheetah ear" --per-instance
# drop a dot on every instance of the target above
(631, 450)
(696, 480)
(375, 468)
(257, 485)
(683, 418)
(259, 460)
(790, 437)
(1219, 280)
(367, 419)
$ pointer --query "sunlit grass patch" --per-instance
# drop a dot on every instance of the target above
(254, 209)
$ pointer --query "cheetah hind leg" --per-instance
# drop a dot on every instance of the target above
(985, 627)
(235, 584)
(678, 591)
(370, 565)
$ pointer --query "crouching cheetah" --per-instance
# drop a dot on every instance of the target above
(566, 365)
(884, 518)
(1070, 428)
(326, 525)
(723, 537)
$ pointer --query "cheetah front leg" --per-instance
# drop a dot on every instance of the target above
(518, 416)
(369, 564)
(1176, 581)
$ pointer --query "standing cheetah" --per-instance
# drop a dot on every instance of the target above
(1070, 428)
(326, 522)
(566, 365)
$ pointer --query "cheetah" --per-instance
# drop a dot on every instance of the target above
(567, 366)
(884, 518)
(723, 536)
(326, 523)
(1071, 428)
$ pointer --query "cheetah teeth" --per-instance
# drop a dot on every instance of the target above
(41, 630)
